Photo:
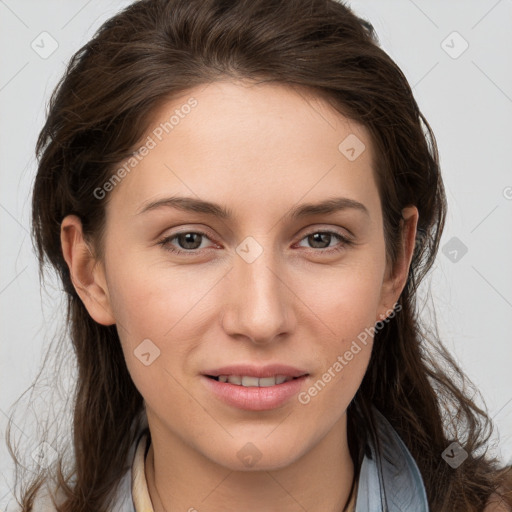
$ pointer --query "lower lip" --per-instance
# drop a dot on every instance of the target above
(254, 398)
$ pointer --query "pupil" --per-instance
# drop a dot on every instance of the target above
(189, 239)
(317, 238)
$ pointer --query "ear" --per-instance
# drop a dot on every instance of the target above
(396, 275)
(87, 273)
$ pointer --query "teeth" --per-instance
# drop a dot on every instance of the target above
(235, 379)
(265, 381)
(249, 381)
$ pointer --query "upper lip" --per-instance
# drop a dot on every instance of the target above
(257, 371)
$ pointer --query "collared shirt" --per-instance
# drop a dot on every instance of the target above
(389, 479)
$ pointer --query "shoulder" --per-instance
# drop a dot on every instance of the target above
(496, 504)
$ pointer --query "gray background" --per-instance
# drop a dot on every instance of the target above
(465, 94)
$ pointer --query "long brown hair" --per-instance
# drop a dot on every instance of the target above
(156, 49)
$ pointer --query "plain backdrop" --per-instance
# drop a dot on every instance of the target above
(456, 56)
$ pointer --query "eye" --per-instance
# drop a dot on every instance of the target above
(189, 241)
(319, 239)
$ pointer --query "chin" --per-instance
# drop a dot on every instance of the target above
(262, 455)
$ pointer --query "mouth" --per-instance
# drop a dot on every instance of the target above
(249, 381)
(255, 389)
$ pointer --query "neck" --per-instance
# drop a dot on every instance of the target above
(180, 478)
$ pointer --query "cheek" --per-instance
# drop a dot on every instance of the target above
(166, 306)
(346, 299)
(150, 296)
(341, 321)
(344, 341)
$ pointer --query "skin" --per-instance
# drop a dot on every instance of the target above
(259, 150)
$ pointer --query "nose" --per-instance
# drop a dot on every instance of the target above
(258, 303)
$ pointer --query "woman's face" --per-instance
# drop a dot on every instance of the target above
(270, 283)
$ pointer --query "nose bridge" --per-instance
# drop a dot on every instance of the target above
(258, 308)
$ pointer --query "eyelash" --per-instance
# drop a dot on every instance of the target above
(165, 242)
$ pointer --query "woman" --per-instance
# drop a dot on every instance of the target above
(194, 155)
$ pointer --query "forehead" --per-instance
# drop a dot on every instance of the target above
(264, 141)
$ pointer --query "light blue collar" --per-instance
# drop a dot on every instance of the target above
(389, 480)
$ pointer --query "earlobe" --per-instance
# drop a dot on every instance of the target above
(87, 274)
(396, 277)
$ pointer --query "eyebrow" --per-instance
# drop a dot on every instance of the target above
(190, 204)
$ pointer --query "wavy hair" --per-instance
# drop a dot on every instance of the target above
(156, 49)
